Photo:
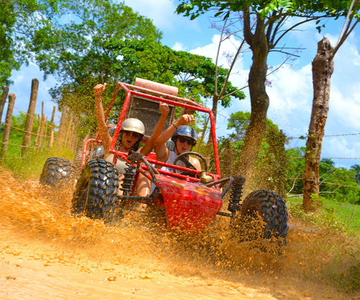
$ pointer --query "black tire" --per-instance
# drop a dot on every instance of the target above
(57, 172)
(96, 190)
(271, 209)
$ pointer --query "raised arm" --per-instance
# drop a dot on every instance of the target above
(103, 129)
(162, 152)
(150, 144)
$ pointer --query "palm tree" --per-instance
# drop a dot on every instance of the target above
(356, 168)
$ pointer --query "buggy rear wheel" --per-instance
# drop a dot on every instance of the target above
(263, 214)
(96, 190)
(57, 172)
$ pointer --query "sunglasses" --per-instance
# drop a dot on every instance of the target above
(184, 139)
(134, 134)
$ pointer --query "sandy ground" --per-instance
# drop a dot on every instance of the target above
(45, 253)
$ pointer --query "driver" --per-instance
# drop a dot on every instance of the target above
(184, 138)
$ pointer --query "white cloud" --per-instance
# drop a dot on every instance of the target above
(178, 47)
(162, 13)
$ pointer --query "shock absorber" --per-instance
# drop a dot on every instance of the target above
(128, 179)
(235, 194)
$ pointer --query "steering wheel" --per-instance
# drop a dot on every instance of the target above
(184, 158)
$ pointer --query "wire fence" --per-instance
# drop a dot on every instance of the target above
(38, 133)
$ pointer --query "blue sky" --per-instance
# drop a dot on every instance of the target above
(291, 90)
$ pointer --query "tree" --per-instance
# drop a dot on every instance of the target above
(64, 48)
(322, 69)
(272, 160)
(264, 26)
(356, 168)
(148, 59)
(19, 20)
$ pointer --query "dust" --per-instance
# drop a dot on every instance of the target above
(36, 223)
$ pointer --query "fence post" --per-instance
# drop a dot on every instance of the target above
(62, 129)
(45, 134)
(73, 136)
(51, 141)
(36, 141)
(69, 132)
(30, 116)
(7, 128)
(3, 100)
(41, 132)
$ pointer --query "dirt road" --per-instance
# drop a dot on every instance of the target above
(47, 254)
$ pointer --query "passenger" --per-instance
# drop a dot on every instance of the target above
(131, 134)
(184, 138)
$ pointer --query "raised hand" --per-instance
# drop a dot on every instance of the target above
(99, 89)
(186, 119)
(164, 108)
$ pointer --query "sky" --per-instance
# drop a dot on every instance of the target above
(290, 93)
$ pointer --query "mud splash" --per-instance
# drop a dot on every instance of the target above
(139, 261)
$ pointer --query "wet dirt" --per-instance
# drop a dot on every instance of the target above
(45, 253)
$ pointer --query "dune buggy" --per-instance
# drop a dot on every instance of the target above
(188, 199)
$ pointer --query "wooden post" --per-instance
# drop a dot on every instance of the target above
(7, 128)
(51, 143)
(41, 131)
(73, 139)
(41, 125)
(36, 143)
(62, 129)
(68, 132)
(30, 116)
(3, 100)
(52, 125)
(45, 133)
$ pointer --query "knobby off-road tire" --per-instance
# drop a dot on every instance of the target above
(271, 209)
(57, 172)
(96, 190)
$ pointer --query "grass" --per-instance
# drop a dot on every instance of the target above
(30, 165)
(341, 222)
(339, 216)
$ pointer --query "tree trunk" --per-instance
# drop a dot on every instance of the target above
(322, 69)
(259, 102)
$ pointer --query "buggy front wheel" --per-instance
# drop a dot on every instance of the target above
(96, 190)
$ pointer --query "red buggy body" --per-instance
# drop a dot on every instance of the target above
(189, 206)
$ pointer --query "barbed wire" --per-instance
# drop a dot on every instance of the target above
(326, 135)
(34, 147)
(25, 113)
(331, 183)
(327, 157)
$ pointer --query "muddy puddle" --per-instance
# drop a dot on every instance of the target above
(48, 254)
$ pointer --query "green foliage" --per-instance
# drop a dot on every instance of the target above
(339, 184)
(194, 8)
(294, 170)
(7, 52)
(19, 21)
(356, 169)
(272, 159)
(73, 47)
(145, 58)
